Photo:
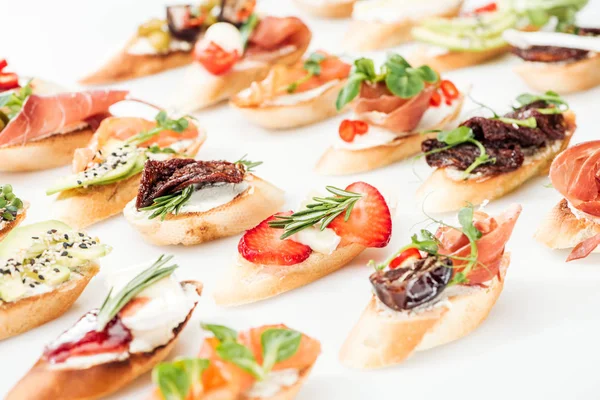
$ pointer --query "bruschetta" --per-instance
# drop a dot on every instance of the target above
(228, 59)
(392, 116)
(134, 329)
(559, 61)
(378, 24)
(486, 158)
(327, 8)
(44, 268)
(183, 201)
(574, 223)
(163, 44)
(107, 172)
(269, 362)
(289, 250)
(41, 125)
(12, 210)
(291, 96)
(433, 291)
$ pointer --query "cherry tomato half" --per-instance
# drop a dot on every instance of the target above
(408, 255)
(347, 131)
(216, 60)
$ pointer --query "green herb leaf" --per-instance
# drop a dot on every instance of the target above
(278, 345)
(428, 74)
(221, 332)
(13, 102)
(456, 136)
(405, 85)
(169, 204)
(527, 123)
(249, 165)
(312, 65)
(175, 380)
(163, 123)
(154, 149)
(350, 90)
(465, 218)
(549, 97)
(247, 28)
(538, 17)
(366, 67)
(114, 303)
(241, 356)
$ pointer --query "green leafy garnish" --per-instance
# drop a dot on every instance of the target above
(221, 332)
(10, 204)
(550, 97)
(11, 103)
(163, 123)
(278, 345)
(155, 149)
(399, 76)
(114, 303)
(312, 66)
(169, 204)
(241, 356)
(247, 28)
(323, 211)
(527, 122)
(177, 379)
(249, 165)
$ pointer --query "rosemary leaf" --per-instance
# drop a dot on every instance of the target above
(169, 204)
(249, 165)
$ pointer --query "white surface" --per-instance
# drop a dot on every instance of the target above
(540, 341)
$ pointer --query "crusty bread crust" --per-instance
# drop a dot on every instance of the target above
(125, 66)
(371, 35)
(327, 9)
(247, 210)
(292, 116)
(30, 312)
(246, 282)
(561, 77)
(453, 59)
(50, 152)
(441, 193)
(338, 161)
(380, 339)
(10, 225)
(45, 382)
(561, 229)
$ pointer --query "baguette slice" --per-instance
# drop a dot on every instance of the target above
(373, 35)
(327, 8)
(441, 193)
(337, 161)
(124, 66)
(30, 312)
(561, 229)
(453, 59)
(10, 225)
(247, 210)
(303, 113)
(560, 77)
(247, 282)
(45, 382)
(50, 152)
(381, 339)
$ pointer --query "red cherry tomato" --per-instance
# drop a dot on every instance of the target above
(8, 81)
(487, 8)
(450, 91)
(347, 130)
(405, 257)
(3, 64)
(436, 99)
(361, 127)
(216, 60)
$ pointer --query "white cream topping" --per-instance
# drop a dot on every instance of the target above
(83, 362)
(526, 40)
(274, 383)
(295, 98)
(390, 11)
(224, 35)
(142, 46)
(213, 196)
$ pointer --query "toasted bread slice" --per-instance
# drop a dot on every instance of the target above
(561, 229)
(259, 201)
(374, 35)
(50, 152)
(562, 78)
(22, 315)
(10, 225)
(338, 161)
(303, 113)
(125, 66)
(453, 59)
(328, 8)
(442, 193)
(383, 338)
(247, 282)
(45, 382)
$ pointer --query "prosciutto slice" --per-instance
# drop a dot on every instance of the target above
(378, 106)
(490, 247)
(42, 116)
(274, 34)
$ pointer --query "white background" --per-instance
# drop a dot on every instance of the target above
(540, 340)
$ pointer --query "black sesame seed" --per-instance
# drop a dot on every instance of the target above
(32, 285)
(41, 277)
(56, 270)
(65, 245)
(83, 246)
(79, 182)
(81, 234)
(64, 254)
(66, 236)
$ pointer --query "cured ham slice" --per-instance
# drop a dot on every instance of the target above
(42, 116)
(490, 247)
(273, 34)
(378, 106)
(584, 248)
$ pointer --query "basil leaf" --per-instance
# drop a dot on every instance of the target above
(456, 136)
(465, 218)
(405, 86)
(247, 28)
(221, 332)
(172, 381)
(396, 63)
(278, 345)
(427, 74)
(365, 66)
(350, 90)
(241, 356)
(193, 367)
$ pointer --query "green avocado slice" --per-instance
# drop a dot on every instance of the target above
(11, 289)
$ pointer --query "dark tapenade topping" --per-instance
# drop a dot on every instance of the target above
(554, 53)
(178, 17)
(507, 143)
(161, 178)
(406, 288)
(236, 11)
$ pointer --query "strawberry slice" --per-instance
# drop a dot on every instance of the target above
(261, 245)
(370, 222)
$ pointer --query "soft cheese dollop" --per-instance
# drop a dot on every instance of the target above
(273, 383)
(525, 40)
(390, 11)
(224, 35)
(295, 98)
(213, 196)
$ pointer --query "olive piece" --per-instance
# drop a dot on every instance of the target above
(160, 41)
(406, 288)
(147, 28)
(177, 17)
(7, 189)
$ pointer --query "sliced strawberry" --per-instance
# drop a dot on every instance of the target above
(370, 222)
(262, 245)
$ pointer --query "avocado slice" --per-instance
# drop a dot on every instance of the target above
(87, 177)
(488, 24)
(22, 238)
(89, 253)
(11, 289)
(137, 168)
(458, 43)
(52, 276)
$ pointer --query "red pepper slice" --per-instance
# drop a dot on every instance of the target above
(216, 60)
(449, 89)
(9, 80)
(436, 99)
(405, 257)
(361, 127)
(487, 8)
(347, 130)
(3, 64)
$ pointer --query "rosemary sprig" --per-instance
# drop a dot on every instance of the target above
(114, 303)
(169, 204)
(163, 123)
(323, 211)
(249, 165)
